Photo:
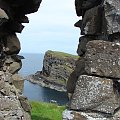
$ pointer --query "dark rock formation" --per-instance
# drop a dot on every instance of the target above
(13, 105)
(94, 85)
(57, 67)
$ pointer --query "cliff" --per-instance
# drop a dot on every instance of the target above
(57, 67)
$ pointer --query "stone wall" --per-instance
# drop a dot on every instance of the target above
(13, 105)
(94, 86)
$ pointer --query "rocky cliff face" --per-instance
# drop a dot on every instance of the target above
(57, 67)
(13, 105)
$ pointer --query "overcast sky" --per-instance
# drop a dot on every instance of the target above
(51, 28)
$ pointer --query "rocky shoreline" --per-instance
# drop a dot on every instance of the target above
(46, 83)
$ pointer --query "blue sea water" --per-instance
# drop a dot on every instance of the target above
(31, 64)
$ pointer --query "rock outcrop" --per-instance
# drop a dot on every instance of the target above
(94, 85)
(57, 67)
(13, 105)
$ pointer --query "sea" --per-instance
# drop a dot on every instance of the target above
(31, 64)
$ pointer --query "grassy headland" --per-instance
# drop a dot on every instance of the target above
(46, 111)
(62, 54)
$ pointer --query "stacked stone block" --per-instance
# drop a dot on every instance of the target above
(13, 105)
(94, 86)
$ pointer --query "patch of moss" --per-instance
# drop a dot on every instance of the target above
(46, 111)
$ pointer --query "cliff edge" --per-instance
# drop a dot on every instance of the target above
(57, 67)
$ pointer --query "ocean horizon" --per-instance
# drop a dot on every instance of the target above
(32, 63)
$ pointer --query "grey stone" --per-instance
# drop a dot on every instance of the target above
(2, 84)
(24, 103)
(112, 16)
(15, 67)
(8, 77)
(3, 14)
(17, 114)
(89, 116)
(82, 44)
(12, 15)
(92, 21)
(57, 67)
(3, 17)
(12, 64)
(12, 44)
(79, 70)
(8, 103)
(103, 58)
(9, 60)
(18, 81)
(67, 115)
(95, 93)
(1, 73)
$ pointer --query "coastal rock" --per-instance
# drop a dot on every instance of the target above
(95, 93)
(103, 58)
(57, 67)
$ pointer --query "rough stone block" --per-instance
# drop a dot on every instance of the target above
(102, 58)
(12, 45)
(3, 17)
(24, 103)
(95, 93)
(82, 44)
(79, 70)
(8, 103)
(18, 81)
(75, 115)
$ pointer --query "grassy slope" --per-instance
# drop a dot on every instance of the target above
(62, 54)
(46, 111)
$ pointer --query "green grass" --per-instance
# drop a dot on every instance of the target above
(62, 54)
(46, 111)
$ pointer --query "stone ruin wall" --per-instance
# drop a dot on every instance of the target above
(13, 105)
(94, 86)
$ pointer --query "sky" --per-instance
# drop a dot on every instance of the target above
(51, 28)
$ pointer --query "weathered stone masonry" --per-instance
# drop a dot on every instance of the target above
(13, 105)
(95, 84)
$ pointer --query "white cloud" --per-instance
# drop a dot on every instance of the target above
(52, 27)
